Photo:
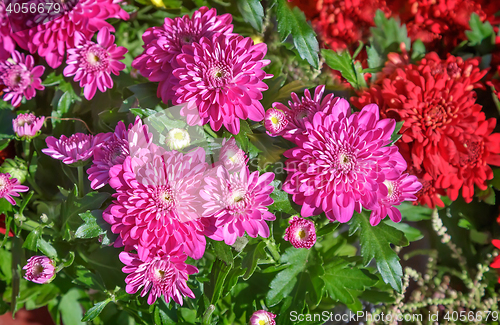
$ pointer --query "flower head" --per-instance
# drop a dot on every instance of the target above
(78, 148)
(262, 317)
(275, 121)
(20, 78)
(231, 156)
(178, 139)
(223, 77)
(301, 233)
(10, 187)
(163, 44)
(93, 63)
(27, 125)
(40, 269)
(238, 202)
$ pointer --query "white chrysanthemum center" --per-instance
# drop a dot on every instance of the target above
(390, 187)
(178, 139)
(346, 161)
(301, 234)
(237, 196)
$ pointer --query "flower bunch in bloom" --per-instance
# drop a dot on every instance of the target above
(446, 138)
(27, 126)
(10, 187)
(344, 162)
(19, 77)
(77, 149)
(199, 61)
(40, 269)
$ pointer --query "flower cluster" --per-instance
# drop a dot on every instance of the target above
(40, 269)
(446, 138)
(27, 126)
(201, 62)
(344, 162)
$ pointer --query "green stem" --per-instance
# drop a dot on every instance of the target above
(27, 151)
(80, 181)
(273, 250)
(256, 126)
(210, 131)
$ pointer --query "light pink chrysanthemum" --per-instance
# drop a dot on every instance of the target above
(275, 121)
(93, 63)
(394, 192)
(10, 187)
(302, 110)
(157, 202)
(51, 37)
(301, 233)
(26, 126)
(40, 269)
(20, 77)
(262, 317)
(223, 77)
(238, 202)
(163, 44)
(78, 148)
(231, 156)
(161, 275)
(341, 161)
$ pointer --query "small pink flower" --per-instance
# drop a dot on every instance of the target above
(275, 121)
(262, 317)
(161, 275)
(10, 187)
(93, 63)
(301, 233)
(231, 156)
(40, 269)
(76, 149)
(27, 126)
(20, 77)
(238, 202)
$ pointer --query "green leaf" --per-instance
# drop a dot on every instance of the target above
(70, 308)
(252, 12)
(253, 254)
(223, 251)
(31, 242)
(375, 243)
(53, 79)
(412, 212)
(242, 136)
(293, 21)
(88, 279)
(480, 33)
(95, 311)
(328, 229)
(146, 94)
(46, 248)
(90, 228)
(340, 280)
(343, 63)
(281, 201)
(163, 315)
(418, 50)
(395, 135)
(412, 234)
(218, 276)
(284, 282)
(232, 280)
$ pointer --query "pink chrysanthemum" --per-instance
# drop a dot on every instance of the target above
(341, 161)
(52, 37)
(93, 63)
(239, 203)
(302, 110)
(262, 317)
(40, 269)
(392, 193)
(78, 148)
(163, 44)
(275, 121)
(231, 156)
(157, 201)
(223, 77)
(7, 44)
(26, 126)
(10, 187)
(162, 275)
(301, 233)
(20, 77)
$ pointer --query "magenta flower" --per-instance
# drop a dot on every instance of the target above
(20, 78)
(302, 110)
(231, 156)
(341, 161)
(10, 187)
(27, 126)
(223, 77)
(275, 121)
(7, 44)
(393, 193)
(262, 317)
(301, 233)
(238, 202)
(162, 275)
(78, 148)
(157, 201)
(40, 269)
(52, 37)
(163, 44)
(93, 63)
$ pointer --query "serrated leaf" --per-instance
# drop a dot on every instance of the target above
(284, 282)
(375, 243)
(252, 12)
(480, 32)
(90, 228)
(340, 280)
(223, 251)
(281, 200)
(412, 234)
(343, 63)
(218, 274)
(293, 21)
(253, 254)
(96, 310)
